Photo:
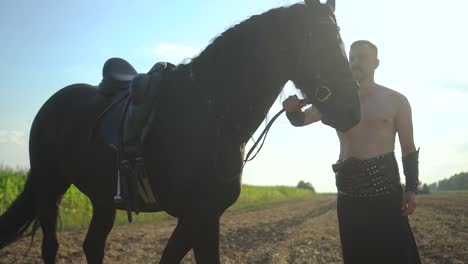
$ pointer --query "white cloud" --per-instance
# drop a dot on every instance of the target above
(13, 149)
(174, 52)
(443, 155)
(14, 137)
(431, 97)
(460, 85)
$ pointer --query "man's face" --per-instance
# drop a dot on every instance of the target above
(363, 62)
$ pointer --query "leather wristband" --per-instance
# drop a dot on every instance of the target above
(411, 170)
(296, 118)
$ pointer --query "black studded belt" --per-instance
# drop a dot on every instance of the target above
(369, 178)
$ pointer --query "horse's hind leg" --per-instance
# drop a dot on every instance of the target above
(48, 212)
(100, 227)
(49, 196)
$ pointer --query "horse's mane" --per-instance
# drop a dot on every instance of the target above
(239, 38)
(242, 67)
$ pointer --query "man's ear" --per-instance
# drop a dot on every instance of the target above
(377, 63)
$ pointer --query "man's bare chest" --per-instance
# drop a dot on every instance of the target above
(377, 112)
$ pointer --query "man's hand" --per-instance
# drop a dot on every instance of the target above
(409, 203)
(293, 104)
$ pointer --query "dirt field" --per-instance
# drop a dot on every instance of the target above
(296, 232)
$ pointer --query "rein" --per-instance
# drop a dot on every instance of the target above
(263, 135)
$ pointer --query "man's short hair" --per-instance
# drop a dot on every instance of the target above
(365, 43)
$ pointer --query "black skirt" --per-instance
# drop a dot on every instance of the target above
(372, 229)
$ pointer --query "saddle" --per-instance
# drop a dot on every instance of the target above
(124, 125)
(117, 74)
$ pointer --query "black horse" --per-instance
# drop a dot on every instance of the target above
(194, 150)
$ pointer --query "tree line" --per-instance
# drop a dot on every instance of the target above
(458, 181)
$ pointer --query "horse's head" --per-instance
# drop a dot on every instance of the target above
(321, 69)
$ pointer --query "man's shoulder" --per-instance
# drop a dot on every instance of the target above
(385, 91)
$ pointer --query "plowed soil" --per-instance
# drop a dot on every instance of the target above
(293, 232)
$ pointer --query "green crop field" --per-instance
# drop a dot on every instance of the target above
(75, 209)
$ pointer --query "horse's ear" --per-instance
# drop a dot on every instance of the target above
(332, 4)
(312, 3)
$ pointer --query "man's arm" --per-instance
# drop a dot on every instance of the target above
(312, 115)
(404, 127)
(293, 107)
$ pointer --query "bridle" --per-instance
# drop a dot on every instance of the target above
(322, 91)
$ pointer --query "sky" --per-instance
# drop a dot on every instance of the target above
(46, 45)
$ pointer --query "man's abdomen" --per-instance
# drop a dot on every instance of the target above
(365, 142)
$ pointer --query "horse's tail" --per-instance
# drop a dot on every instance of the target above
(18, 217)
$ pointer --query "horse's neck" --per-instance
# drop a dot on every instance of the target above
(244, 83)
(244, 94)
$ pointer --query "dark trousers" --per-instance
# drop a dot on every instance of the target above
(372, 230)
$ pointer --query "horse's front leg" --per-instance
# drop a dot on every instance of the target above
(199, 232)
(179, 244)
(206, 239)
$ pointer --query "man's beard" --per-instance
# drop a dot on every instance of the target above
(359, 75)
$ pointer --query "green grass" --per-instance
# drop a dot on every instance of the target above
(253, 196)
(11, 184)
(76, 210)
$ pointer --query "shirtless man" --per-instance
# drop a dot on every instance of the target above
(372, 207)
